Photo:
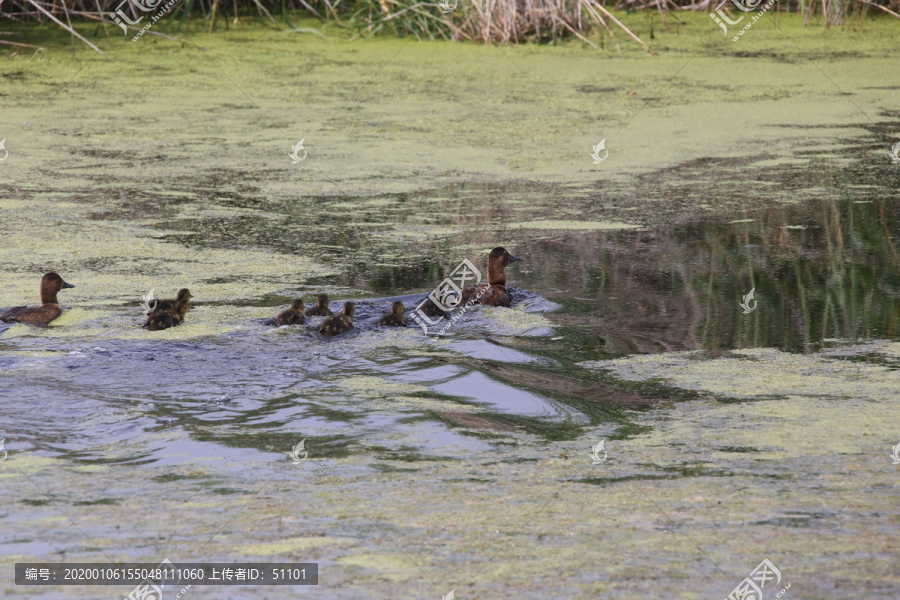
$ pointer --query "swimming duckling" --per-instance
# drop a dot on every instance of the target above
(433, 310)
(183, 294)
(495, 293)
(395, 318)
(51, 283)
(293, 315)
(339, 323)
(321, 309)
(158, 319)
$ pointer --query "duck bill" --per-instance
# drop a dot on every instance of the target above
(67, 285)
(513, 259)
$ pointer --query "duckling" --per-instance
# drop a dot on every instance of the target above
(395, 318)
(321, 309)
(293, 315)
(433, 310)
(158, 319)
(339, 323)
(495, 293)
(51, 284)
(183, 294)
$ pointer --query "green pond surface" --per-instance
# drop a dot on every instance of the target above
(461, 462)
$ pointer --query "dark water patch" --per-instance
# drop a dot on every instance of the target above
(797, 519)
(100, 501)
(224, 491)
(319, 446)
(36, 501)
(405, 454)
(171, 477)
(692, 470)
(383, 468)
(593, 89)
(613, 480)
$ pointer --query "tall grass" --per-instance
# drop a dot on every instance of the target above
(483, 21)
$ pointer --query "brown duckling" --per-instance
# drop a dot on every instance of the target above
(339, 323)
(183, 294)
(395, 318)
(293, 315)
(51, 284)
(321, 309)
(158, 319)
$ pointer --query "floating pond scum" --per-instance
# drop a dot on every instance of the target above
(694, 391)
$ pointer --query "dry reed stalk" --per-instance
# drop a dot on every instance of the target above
(4, 42)
(63, 25)
(885, 9)
(485, 21)
(609, 15)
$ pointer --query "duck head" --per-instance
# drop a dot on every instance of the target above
(297, 304)
(323, 300)
(498, 260)
(182, 306)
(397, 309)
(183, 294)
(349, 307)
(51, 283)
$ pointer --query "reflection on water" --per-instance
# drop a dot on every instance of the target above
(820, 270)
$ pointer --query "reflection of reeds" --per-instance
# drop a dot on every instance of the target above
(680, 288)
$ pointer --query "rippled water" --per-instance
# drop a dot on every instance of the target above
(214, 412)
(731, 436)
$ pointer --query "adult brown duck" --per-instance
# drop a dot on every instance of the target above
(50, 309)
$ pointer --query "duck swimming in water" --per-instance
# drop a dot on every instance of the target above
(495, 293)
(51, 284)
(339, 323)
(321, 309)
(168, 305)
(492, 294)
(293, 315)
(395, 318)
(158, 319)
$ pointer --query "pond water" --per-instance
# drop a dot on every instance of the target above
(460, 461)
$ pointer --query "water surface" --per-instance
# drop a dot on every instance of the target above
(461, 461)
